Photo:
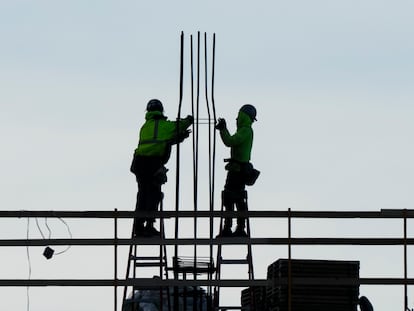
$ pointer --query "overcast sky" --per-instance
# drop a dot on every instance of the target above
(332, 82)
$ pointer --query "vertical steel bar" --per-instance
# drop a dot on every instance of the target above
(115, 259)
(214, 115)
(209, 118)
(209, 138)
(289, 260)
(162, 254)
(177, 181)
(194, 174)
(214, 145)
(405, 262)
(198, 101)
(194, 163)
(211, 220)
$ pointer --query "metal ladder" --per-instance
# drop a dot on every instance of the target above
(248, 260)
(135, 261)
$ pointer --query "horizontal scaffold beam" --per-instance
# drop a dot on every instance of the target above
(206, 241)
(385, 213)
(145, 282)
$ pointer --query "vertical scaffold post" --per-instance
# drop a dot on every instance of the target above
(405, 262)
(289, 261)
(115, 259)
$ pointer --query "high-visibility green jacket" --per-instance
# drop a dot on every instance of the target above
(158, 134)
(242, 141)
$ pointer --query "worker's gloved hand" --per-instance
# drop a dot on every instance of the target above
(221, 124)
(190, 119)
(183, 135)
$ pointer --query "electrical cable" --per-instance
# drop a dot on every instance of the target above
(50, 235)
(28, 252)
(47, 226)
(38, 227)
(70, 234)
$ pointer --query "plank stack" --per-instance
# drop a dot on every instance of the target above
(316, 285)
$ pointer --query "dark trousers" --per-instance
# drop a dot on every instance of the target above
(234, 195)
(149, 188)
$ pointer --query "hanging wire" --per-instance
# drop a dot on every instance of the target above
(50, 233)
(48, 228)
(70, 234)
(38, 227)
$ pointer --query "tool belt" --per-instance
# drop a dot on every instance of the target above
(249, 173)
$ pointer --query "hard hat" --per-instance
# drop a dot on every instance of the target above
(155, 105)
(250, 111)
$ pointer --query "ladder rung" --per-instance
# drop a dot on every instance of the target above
(145, 288)
(145, 257)
(234, 261)
(148, 264)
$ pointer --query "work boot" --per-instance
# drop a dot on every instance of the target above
(151, 231)
(239, 232)
(224, 233)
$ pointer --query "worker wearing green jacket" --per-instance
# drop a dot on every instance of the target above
(238, 167)
(156, 137)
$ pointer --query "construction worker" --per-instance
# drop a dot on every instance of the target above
(156, 137)
(238, 166)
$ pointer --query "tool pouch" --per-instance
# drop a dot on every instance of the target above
(160, 175)
(250, 174)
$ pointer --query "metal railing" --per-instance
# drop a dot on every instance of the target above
(289, 241)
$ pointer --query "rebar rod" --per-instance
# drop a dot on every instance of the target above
(195, 177)
(177, 180)
(214, 147)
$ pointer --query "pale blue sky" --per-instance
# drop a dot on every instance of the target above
(332, 82)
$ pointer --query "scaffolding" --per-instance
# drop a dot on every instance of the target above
(289, 241)
(196, 269)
